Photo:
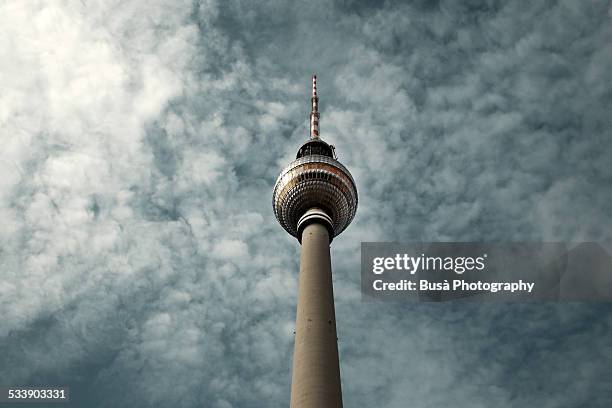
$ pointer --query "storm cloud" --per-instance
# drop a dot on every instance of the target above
(140, 262)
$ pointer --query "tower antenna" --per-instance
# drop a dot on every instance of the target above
(314, 113)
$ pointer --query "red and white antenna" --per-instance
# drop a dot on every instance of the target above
(314, 114)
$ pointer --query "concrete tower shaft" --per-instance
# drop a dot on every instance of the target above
(315, 378)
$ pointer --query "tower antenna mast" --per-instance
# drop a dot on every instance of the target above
(314, 113)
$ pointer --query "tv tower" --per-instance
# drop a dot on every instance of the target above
(315, 199)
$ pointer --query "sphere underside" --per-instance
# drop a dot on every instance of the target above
(314, 181)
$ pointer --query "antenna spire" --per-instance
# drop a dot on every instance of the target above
(314, 113)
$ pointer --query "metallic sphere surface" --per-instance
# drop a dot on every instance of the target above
(314, 181)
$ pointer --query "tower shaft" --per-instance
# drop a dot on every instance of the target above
(316, 372)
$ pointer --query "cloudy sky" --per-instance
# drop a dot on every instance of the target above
(140, 262)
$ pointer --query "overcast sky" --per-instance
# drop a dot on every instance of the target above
(140, 261)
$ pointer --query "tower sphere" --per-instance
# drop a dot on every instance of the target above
(315, 184)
